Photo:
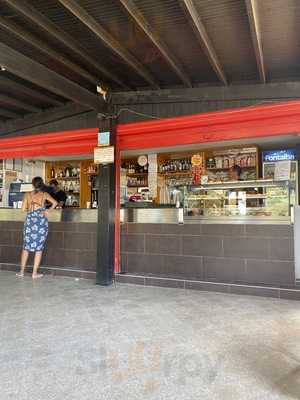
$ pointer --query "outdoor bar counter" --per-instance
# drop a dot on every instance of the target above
(251, 251)
(70, 247)
(156, 242)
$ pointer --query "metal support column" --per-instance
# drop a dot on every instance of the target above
(106, 217)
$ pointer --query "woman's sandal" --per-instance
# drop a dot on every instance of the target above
(37, 276)
(20, 275)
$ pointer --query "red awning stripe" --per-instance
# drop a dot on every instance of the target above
(250, 122)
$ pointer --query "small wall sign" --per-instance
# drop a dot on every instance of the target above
(104, 155)
(103, 138)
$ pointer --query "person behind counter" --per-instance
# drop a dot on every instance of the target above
(58, 194)
(35, 226)
(235, 173)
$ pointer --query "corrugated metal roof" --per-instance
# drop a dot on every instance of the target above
(169, 21)
(280, 29)
(226, 23)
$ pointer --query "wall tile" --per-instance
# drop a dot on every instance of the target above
(89, 227)
(87, 260)
(70, 259)
(16, 238)
(10, 254)
(133, 243)
(186, 267)
(223, 229)
(289, 294)
(254, 291)
(159, 244)
(125, 278)
(269, 230)
(55, 240)
(164, 282)
(64, 226)
(54, 257)
(224, 269)
(236, 247)
(77, 241)
(202, 246)
(146, 264)
(6, 238)
(207, 286)
(281, 249)
(270, 272)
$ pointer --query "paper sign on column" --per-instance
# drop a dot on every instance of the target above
(152, 174)
(152, 162)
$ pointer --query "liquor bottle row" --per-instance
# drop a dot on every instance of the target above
(68, 172)
(92, 169)
(70, 186)
(224, 162)
(183, 165)
(132, 168)
(142, 181)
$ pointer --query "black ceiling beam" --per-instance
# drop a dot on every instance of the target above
(256, 37)
(265, 93)
(89, 21)
(50, 115)
(203, 38)
(34, 94)
(139, 18)
(17, 103)
(9, 114)
(27, 37)
(27, 69)
(27, 10)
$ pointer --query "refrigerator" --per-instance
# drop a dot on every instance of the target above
(271, 157)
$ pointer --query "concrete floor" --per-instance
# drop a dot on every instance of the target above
(63, 339)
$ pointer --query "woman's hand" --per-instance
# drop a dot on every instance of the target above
(46, 213)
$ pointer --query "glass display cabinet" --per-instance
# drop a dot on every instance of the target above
(264, 199)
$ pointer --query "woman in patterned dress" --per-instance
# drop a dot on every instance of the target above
(36, 225)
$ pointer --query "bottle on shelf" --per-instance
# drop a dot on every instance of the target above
(52, 172)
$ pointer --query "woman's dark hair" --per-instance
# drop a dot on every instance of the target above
(37, 183)
(53, 182)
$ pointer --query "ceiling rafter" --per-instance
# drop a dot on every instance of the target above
(9, 114)
(24, 35)
(27, 69)
(139, 18)
(204, 39)
(256, 37)
(89, 21)
(13, 85)
(26, 9)
(18, 103)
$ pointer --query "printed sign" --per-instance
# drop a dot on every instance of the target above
(104, 155)
(152, 174)
(279, 155)
(197, 159)
(103, 138)
(282, 170)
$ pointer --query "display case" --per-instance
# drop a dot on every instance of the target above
(263, 199)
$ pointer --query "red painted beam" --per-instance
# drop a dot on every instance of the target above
(250, 122)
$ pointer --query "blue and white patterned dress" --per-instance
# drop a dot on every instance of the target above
(35, 230)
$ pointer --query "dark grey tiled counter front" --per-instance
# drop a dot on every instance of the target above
(256, 254)
(70, 246)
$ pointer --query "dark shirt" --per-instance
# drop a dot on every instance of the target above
(60, 196)
(49, 190)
